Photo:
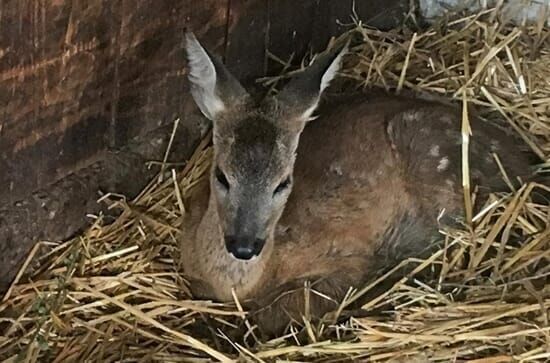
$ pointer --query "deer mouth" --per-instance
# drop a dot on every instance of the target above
(244, 248)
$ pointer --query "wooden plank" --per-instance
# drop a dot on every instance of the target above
(54, 115)
(291, 27)
(16, 36)
(382, 14)
(77, 77)
(152, 59)
(328, 19)
(333, 18)
(298, 27)
(245, 52)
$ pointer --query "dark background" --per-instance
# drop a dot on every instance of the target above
(89, 90)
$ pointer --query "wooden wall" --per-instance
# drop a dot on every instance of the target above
(81, 78)
(77, 77)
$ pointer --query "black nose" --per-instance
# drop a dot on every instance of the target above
(244, 248)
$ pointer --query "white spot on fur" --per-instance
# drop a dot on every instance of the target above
(410, 116)
(434, 151)
(495, 146)
(443, 164)
(337, 169)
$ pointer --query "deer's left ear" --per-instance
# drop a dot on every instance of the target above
(214, 89)
(301, 95)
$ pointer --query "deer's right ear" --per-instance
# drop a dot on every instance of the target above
(214, 89)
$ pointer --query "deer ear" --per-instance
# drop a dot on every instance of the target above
(213, 88)
(301, 95)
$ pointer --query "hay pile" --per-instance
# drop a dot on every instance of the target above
(113, 293)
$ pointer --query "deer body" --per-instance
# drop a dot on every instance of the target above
(370, 180)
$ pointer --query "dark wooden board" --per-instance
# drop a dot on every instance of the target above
(78, 77)
(245, 46)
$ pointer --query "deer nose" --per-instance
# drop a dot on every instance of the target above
(243, 247)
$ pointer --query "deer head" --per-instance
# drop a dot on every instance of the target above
(254, 143)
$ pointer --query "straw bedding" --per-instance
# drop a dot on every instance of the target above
(114, 292)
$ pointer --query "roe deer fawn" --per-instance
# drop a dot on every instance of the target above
(331, 200)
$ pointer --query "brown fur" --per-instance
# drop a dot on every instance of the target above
(372, 179)
(369, 184)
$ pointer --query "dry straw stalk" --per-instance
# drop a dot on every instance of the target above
(114, 294)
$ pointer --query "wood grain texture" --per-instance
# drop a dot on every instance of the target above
(151, 73)
(245, 48)
(78, 77)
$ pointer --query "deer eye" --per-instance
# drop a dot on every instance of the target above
(282, 186)
(221, 178)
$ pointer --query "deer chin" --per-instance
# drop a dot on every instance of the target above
(241, 276)
(243, 267)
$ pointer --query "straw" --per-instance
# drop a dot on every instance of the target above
(114, 293)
